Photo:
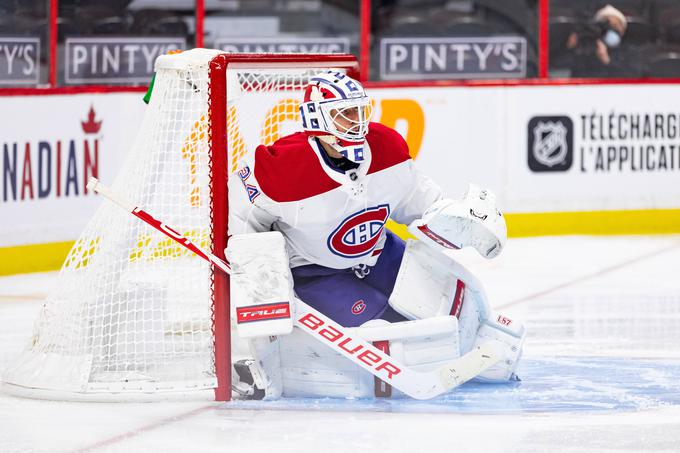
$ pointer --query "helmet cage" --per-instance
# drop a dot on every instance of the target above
(346, 119)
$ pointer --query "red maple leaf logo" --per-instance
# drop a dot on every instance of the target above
(91, 126)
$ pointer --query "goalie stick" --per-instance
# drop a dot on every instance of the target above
(416, 384)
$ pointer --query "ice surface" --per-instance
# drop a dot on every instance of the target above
(601, 373)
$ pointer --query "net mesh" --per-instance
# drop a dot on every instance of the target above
(263, 107)
(132, 310)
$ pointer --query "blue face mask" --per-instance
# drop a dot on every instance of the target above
(611, 39)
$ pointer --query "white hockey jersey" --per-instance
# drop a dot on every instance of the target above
(328, 217)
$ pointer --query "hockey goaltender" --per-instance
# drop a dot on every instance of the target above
(307, 222)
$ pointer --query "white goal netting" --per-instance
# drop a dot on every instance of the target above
(132, 311)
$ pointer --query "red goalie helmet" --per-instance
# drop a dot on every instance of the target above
(336, 105)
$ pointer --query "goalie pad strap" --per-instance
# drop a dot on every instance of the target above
(458, 299)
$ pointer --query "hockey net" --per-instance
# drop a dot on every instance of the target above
(133, 315)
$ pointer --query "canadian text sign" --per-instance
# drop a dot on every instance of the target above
(453, 58)
(19, 60)
(49, 147)
(112, 60)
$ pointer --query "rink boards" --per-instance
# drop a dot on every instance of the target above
(576, 159)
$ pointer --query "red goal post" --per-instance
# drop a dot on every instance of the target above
(132, 315)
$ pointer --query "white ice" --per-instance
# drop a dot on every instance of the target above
(592, 305)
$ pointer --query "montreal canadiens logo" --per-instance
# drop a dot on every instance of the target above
(358, 234)
(358, 307)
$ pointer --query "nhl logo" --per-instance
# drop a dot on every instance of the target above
(550, 143)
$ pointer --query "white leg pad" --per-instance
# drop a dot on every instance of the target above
(427, 281)
(425, 284)
(474, 310)
(431, 283)
(511, 334)
(308, 368)
(267, 367)
(261, 284)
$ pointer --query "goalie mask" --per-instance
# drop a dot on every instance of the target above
(337, 110)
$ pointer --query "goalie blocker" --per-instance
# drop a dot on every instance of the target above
(448, 310)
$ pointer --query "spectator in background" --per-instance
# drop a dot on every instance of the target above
(610, 26)
(597, 42)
